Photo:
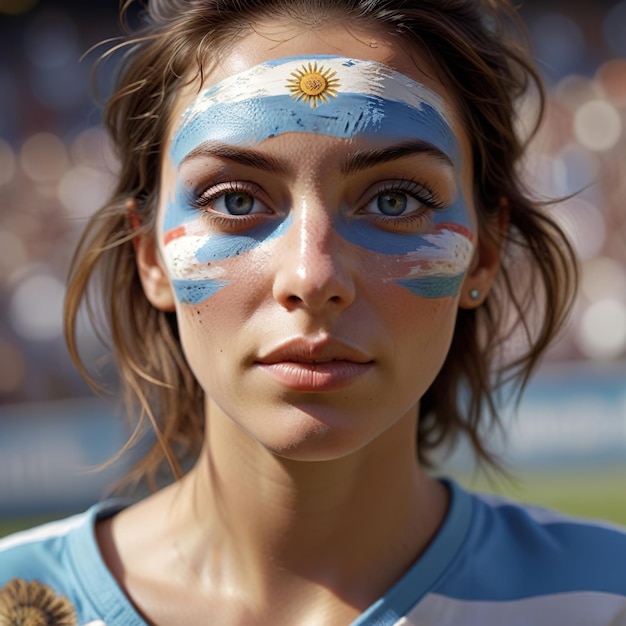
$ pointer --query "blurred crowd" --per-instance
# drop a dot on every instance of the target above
(56, 169)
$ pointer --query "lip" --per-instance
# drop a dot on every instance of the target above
(315, 365)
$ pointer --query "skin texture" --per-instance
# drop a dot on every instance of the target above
(301, 486)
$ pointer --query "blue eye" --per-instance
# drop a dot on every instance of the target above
(401, 199)
(229, 199)
(236, 203)
(392, 202)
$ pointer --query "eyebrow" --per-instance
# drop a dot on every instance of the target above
(362, 159)
(243, 156)
(358, 161)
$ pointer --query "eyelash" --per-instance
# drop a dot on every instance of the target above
(417, 190)
(203, 200)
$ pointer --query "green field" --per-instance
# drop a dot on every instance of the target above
(597, 494)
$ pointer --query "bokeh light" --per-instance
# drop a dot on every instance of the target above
(36, 307)
(13, 253)
(584, 224)
(548, 175)
(83, 189)
(602, 278)
(602, 330)
(574, 91)
(44, 158)
(581, 166)
(91, 148)
(597, 125)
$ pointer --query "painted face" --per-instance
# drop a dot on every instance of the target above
(335, 97)
(316, 230)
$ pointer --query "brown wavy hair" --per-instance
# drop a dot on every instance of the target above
(474, 46)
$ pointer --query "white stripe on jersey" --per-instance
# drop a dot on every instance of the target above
(41, 533)
(568, 609)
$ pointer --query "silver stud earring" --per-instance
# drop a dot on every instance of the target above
(474, 294)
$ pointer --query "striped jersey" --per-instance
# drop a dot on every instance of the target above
(493, 562)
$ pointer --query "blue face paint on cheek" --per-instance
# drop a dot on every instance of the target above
(429, 265)
(195, 292)
(199, 259)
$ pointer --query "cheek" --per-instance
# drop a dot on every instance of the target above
(207, 332)
(198, 273)
(428, 272)
(416, 321)
(218, 300)
(422, 331)
(419, 327)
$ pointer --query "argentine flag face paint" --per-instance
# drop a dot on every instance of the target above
(322, 95)
(338, 97)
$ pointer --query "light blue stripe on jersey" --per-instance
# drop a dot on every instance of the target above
(63, 555)
(513, 552)
(430, 566)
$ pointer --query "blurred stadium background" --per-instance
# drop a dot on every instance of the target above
(566, 446)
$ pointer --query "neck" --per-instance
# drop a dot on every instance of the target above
(327, 521)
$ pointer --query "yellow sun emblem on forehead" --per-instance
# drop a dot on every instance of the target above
(313, 84)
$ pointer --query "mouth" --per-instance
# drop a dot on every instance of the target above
(314, 366)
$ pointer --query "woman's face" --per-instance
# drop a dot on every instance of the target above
(316, 235)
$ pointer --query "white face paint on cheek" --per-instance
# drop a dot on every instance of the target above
(202, 262)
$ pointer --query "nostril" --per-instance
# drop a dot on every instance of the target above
(335, 299)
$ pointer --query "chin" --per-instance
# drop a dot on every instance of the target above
(301, 435)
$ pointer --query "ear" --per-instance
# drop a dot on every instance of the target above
(150, 265)
(486, 261)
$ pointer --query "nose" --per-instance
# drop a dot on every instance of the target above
(314, 267)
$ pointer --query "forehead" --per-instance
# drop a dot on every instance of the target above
(259, 58)
(339, 97)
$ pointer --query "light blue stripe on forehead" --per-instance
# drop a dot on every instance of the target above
(347, 116)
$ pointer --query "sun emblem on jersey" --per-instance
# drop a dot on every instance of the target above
(313, 84)
(34, 604)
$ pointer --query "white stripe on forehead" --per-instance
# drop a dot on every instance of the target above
(354, 76)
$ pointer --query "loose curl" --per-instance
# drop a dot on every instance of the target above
(472, 44)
